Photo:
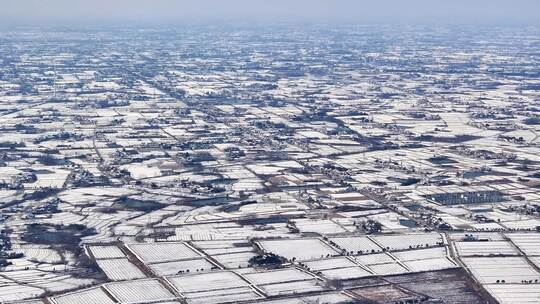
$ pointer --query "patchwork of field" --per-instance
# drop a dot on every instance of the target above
(276, 163)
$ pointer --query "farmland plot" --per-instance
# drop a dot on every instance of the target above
(509, 269)
(527, 224)
(93, 295)
(120, 269)
(297, 287)
(221, 244)
(515, 293)
(421, 254)
(301, 249)
(356, 244)
(451, 285)
(425, 259)
(231, 295)
(529, 243)
(105, 252)
(340, 268)
(381, 264)
(329, 298)
(140, 291)
(408, 241)
(26, 302)
(184, 266)
(429, 264)
(207, 281)
(275, 276)
(345, 273)
(231, 254)
(318, 226)
(162, 252)
(234, 260)
(215, 287)
(283, 281)
(485, 248)
(11, 292)
(382, 294)
(535, 260)
(387, 268)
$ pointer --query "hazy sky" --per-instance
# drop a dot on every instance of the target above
(84, 12)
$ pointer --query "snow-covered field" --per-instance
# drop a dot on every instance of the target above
(229, 295)
(301, 249)
(231, 254)
(529, 243)
(340, 268)
(509, 269)
(215, 287)
(105, 252)
(330, 298)
(292, 288)
(140, 291)
(207, 281)
(318, 226)
(408, 241)
(162, 252)
(93, 295)
(120, 269)
(274, 276)
(175, 267)
(356, 244)
(515, 293)
(485, 248)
